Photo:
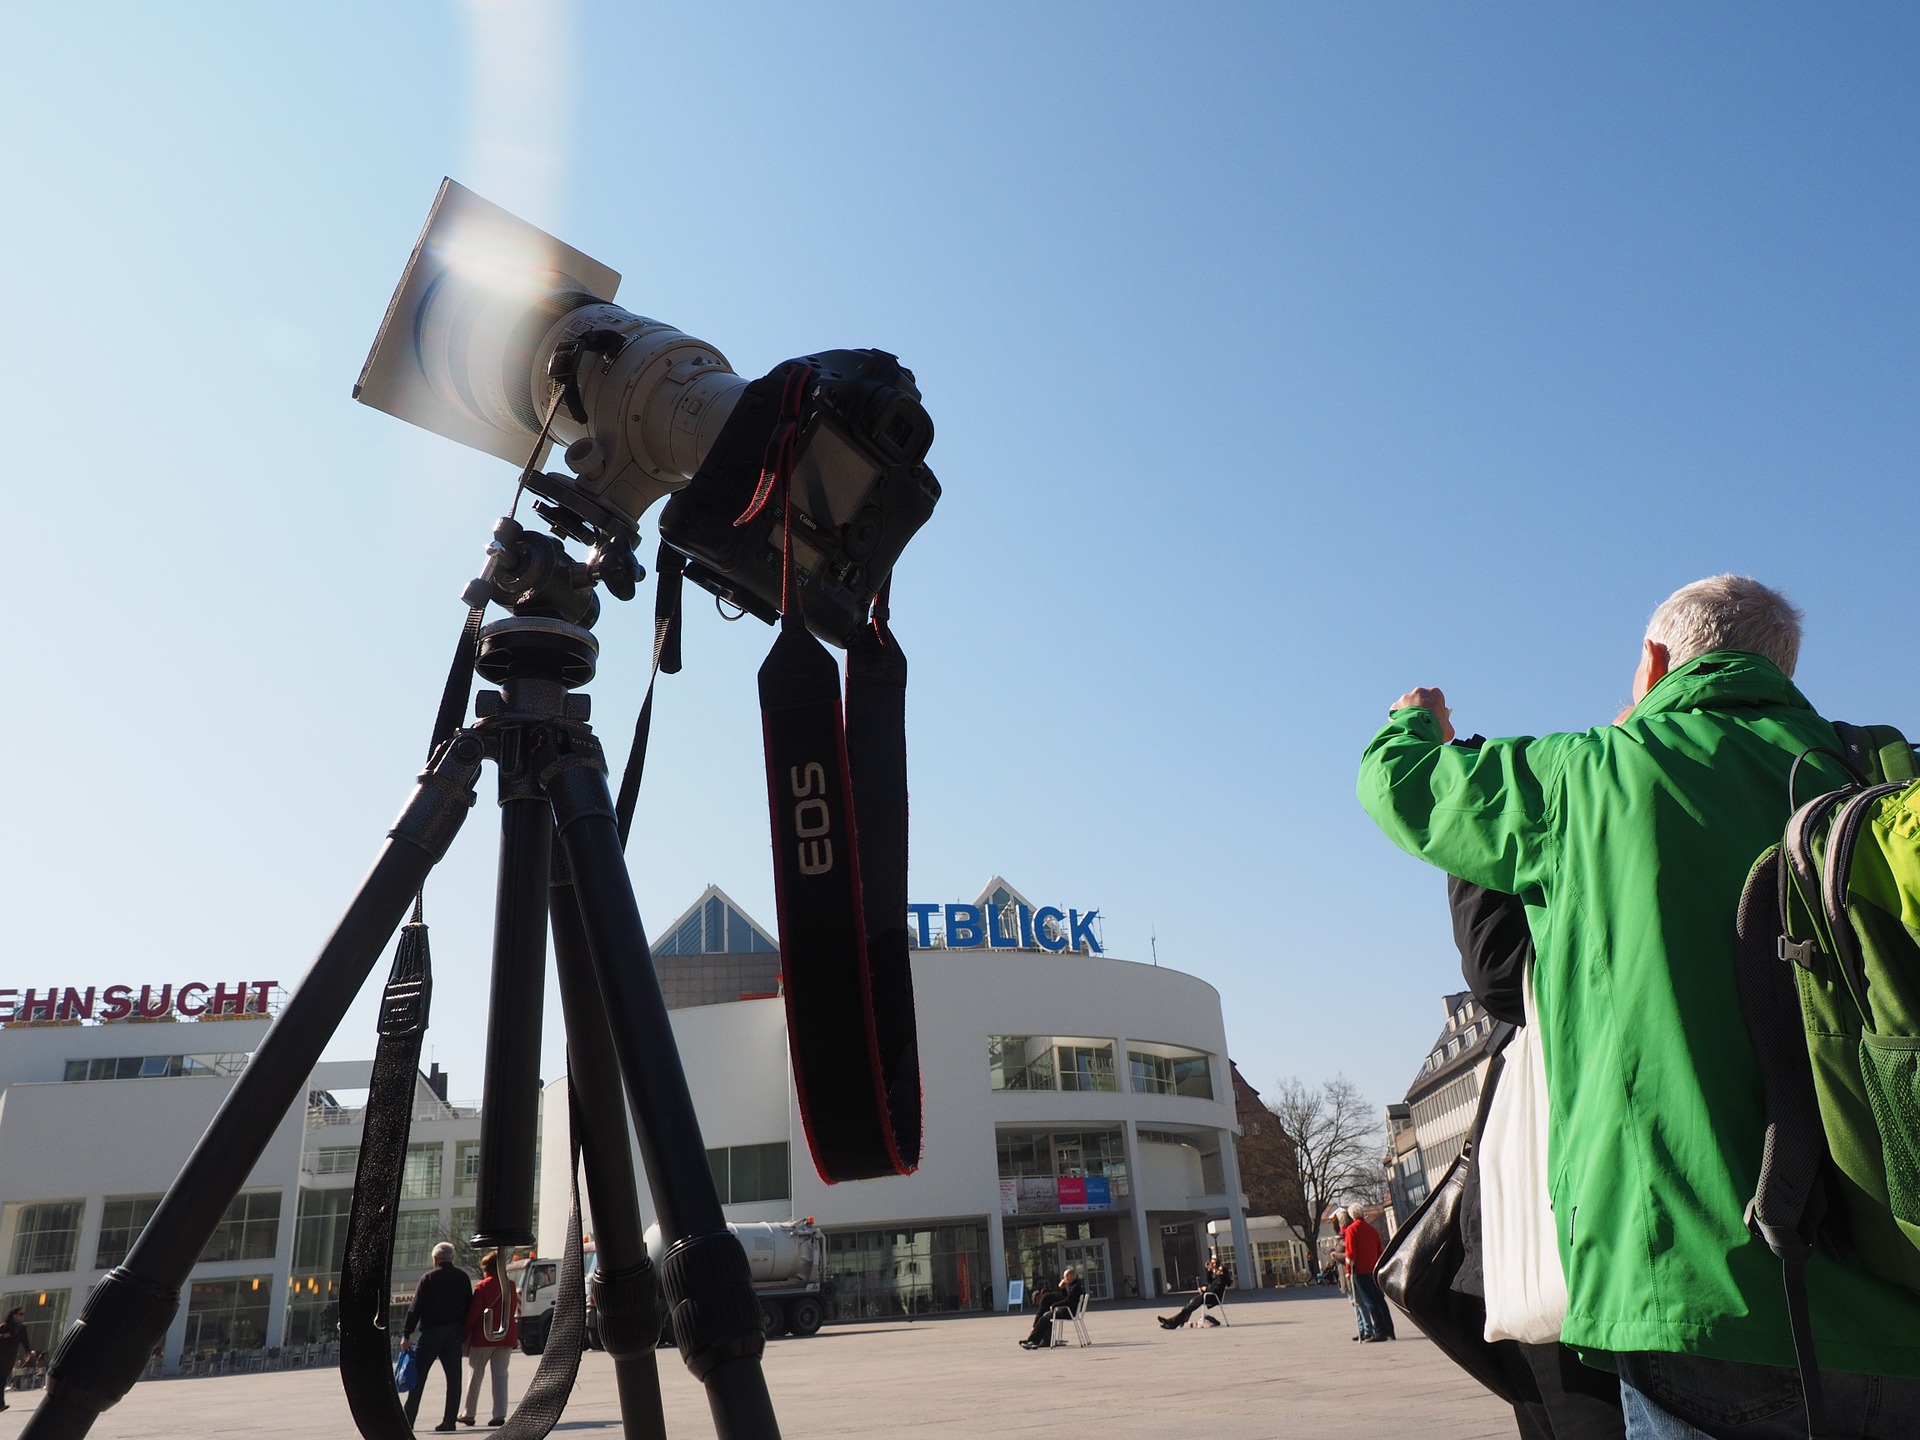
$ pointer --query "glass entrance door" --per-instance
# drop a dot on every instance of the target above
(1089, 1257)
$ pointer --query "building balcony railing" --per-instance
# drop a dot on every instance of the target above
(423, 1111)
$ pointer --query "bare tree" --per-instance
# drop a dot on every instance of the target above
(1336, 1140)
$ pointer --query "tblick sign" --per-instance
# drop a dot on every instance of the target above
(985, 927)
(189, 1001)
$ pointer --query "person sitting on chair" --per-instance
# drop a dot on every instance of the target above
(1214, 1284)
(1056, 1302)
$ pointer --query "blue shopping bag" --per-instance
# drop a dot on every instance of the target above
(404, 1375)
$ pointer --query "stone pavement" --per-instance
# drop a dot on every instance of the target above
(1284, 1369)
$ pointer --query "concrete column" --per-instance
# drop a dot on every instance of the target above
(1246, 1271)
(86, 1247)
(1136, 1199)
(997, 1251)
(177, 1333)
(282, 1264)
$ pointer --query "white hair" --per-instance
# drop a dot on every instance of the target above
(443, 1253)
(1727, 612)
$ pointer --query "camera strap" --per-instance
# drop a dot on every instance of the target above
(669, 566)
(837, 800)
(366, 1356)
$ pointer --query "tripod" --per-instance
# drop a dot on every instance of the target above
(552, 777)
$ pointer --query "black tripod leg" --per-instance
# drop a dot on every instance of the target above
(128, 1313)
(510, 1111)
(716, 1317)
(626, 1288)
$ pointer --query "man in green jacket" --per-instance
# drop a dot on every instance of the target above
(1630, 844)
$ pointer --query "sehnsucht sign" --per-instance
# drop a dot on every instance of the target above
(979, 927)
(146, 1002)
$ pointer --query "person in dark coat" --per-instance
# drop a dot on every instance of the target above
(13, 1345)
(1063, 1297)
(1561, 1398)
(1215, 1284)
(439, 1311)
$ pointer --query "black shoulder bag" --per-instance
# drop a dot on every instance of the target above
(1418, 1269)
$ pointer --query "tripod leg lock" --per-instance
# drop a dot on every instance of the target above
(577, 786)
(716, 1316)
(102, 1356)
(629, 1307)
(434, 812)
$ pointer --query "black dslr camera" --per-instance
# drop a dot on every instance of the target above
(860, 490)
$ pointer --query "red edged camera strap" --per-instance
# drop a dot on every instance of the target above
(845, 969)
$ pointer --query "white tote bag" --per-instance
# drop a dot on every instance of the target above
(1526, 1289)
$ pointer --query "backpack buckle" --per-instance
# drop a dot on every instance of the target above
(1799, 952)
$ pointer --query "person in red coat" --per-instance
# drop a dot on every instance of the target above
(493, 1332)
(1363, 1248)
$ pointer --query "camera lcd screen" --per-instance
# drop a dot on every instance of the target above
(831, 478)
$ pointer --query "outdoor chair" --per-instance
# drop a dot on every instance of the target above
(1209, 1303)
(1077, 1315)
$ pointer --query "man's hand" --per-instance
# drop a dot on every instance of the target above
(1425, 699)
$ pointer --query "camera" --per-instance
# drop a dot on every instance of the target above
(506, 339)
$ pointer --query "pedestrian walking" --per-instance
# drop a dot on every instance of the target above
(493, 1332)
(439, 1312)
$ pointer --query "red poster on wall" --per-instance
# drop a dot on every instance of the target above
(1073, 1192)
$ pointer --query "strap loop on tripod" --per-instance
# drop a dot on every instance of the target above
(366, 1363)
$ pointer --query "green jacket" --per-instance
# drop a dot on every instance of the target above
(1630, 844)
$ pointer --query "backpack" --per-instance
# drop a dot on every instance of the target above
(1828, 962)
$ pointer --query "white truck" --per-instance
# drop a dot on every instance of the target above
(786, 1258)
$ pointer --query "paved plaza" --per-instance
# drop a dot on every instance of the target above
(1284, 1367)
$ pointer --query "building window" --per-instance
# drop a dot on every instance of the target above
(879, 1273)
(743, 1173)
(335, 1160)
(46, 1314)
(421, 1179)
(1086, 1067)
(45, 1236)
(1020, 1062)
(250, 1230)
(466, 1167)
(319, 1242)
(320, 1230)
(146, 1067)
(228, 1314)
(121, 1221)
(1171, 1072)
(1274, 1262)
(1045, 1155)
(414, 1236)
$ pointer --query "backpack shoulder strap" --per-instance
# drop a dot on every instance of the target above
(1788, 1204)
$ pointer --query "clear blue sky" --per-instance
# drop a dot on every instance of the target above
(1283, 358)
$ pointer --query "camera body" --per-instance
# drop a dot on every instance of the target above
(860, 491)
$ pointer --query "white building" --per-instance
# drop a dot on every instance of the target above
(1429, 1129)
(1078, 1109)
(97, 1116)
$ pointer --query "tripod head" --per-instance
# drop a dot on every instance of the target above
(552, 597)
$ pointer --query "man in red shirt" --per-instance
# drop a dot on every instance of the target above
(1362, 1244)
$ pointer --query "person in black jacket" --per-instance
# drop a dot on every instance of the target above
(1575, 1401)
(13, 1344)
(439, 1311)
(1063, 1297)
(1215, 1284)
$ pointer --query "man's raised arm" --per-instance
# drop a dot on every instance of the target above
(1478, 813)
